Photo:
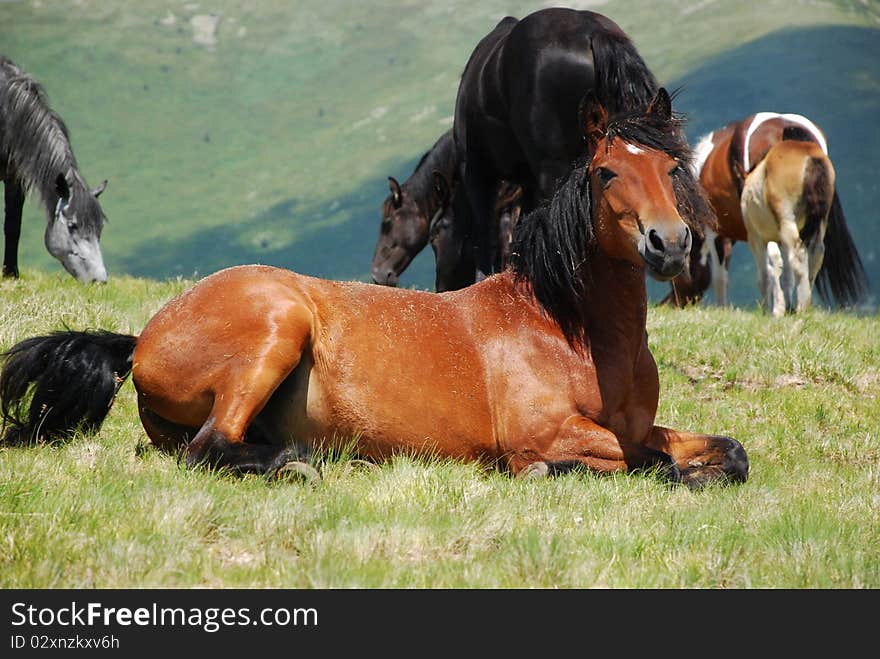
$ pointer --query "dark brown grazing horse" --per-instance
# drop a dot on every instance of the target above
(539, 369)
(411, 210)
(724, 161)
(449, 234)
(408, 210)
(519, 100)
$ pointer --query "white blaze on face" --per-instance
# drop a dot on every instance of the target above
(633, 149)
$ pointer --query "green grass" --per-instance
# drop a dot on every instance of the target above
(800, 393)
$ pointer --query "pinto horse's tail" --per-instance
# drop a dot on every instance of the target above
(54, 384)
(842, 274)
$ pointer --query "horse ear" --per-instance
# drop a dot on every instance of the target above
(62, 188)
(441, 189)
(661, 105)
(593, 119)
(396, 195)
(97, 191)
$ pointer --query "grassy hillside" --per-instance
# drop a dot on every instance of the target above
(801, 394)
(272, 143)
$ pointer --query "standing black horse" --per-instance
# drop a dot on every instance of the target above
(450, 233)
(517, 113)
(35, 152)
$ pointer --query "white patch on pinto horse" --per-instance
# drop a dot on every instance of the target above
(761, 117)
(701, 153)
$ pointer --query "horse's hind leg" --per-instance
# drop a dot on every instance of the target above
(774, 267)
(241, 393)
(702, 459)
(796, 276)
(14, 202)
(768, 264)
(481, 191)
(163, 434)
(713, 252)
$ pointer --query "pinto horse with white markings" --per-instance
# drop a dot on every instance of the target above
(537, 370)
(771, 183)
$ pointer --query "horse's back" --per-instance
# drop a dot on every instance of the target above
(360, 350)
(517, 110)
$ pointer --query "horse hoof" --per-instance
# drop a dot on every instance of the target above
(733, 467)
(298, 471)
(534, 470)
(359, 466)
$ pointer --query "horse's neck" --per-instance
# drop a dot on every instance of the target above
(616, 306)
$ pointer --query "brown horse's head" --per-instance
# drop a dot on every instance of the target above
(633, 197)
(636, 211)
(402, 234)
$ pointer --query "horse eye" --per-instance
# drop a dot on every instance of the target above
(678, 169)
(605, 176)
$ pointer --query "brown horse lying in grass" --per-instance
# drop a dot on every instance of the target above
(538, 369)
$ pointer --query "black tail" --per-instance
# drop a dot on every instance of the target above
(52, 385)
(842, 273)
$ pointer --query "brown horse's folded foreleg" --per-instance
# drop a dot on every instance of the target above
(581, 442)
(701, 459)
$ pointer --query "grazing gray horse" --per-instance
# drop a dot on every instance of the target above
(35, 152)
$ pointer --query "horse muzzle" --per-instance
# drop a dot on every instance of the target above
(665, 253)
(385, 277)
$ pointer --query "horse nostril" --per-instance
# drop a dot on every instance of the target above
(655, 241)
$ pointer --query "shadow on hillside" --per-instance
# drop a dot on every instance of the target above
(829, 74)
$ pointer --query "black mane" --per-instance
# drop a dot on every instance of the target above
(440, 157)
(552, 246)
(36, 142)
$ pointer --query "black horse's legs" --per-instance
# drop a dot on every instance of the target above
(480, 189)
(14, 202)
